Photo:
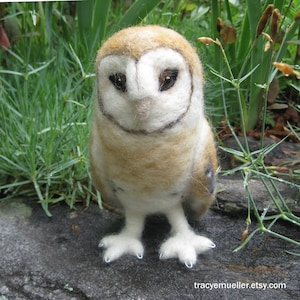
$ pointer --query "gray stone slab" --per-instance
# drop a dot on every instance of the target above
(58, 258)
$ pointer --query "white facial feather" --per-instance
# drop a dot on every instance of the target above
(143, 106)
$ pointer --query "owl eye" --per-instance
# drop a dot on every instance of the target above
(167, 79)
(119, 81)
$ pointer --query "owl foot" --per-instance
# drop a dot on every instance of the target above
(120, 244)
(185, 247)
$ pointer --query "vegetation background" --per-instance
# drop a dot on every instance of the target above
(251, 62)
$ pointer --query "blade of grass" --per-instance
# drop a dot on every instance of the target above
(254, 8)
(137, 12)
(215, 34)
(100, 17)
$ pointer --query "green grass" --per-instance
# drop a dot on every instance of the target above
(46, 96)
(253, 166)
(247, 53)
(47, 91)
(45, 115)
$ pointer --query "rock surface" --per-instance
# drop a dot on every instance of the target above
(58, 258)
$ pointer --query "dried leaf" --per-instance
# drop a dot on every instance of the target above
(75, 228)
(267, 36)
(244, 234)
(267, 46)
(227, 31)
(228, 34)
(291, 114)
(206, 40)
(276, 106)
(273, 91)
(284, 68)
(220, 24)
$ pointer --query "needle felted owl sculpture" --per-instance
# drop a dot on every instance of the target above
(152, 150)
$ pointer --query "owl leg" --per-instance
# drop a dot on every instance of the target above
(127, 241)
(184, 243)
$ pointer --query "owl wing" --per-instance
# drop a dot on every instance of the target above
(203, 180)
(98, 169)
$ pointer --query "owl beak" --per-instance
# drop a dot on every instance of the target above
(143, 107)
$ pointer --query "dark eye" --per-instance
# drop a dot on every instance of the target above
(119, 81)
(167, 79)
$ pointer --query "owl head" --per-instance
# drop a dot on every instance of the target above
(149, 78)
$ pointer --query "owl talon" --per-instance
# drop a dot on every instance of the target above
(140, 256)
(188, 264)
(119, 245)
(107, 260)
(185, 247)
(162, 256)
(212, 245)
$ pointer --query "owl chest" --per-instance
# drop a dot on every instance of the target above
(148, 163)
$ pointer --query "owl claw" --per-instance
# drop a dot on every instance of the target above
(188, 264)
(140, 256)
(185, 247)
(119, 245)
(162, 256)
(212, 245)
(107, 260)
